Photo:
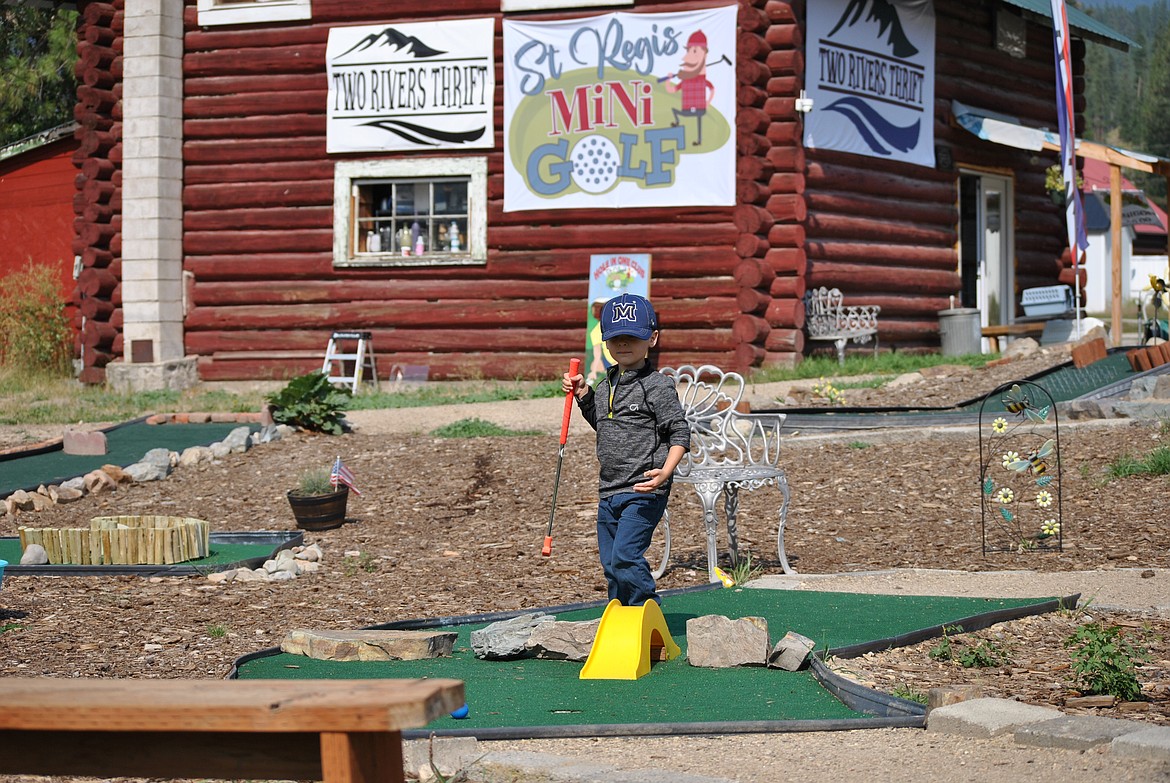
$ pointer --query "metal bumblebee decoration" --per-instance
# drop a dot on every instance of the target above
(1019, 476)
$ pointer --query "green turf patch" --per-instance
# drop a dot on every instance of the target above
(125, 444)
(538, 693)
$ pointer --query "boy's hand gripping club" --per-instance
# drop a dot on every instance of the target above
(574, 367)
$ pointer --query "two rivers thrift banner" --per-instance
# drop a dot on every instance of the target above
(620, 110)
(411, 86)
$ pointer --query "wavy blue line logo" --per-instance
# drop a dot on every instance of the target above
(886, 15)
(875, 129)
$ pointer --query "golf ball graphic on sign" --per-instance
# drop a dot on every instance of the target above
(595, 163)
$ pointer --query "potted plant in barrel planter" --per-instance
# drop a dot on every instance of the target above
(316, 503)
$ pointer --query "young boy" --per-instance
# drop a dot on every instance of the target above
(642, 435)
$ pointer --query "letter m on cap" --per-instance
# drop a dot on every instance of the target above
(625, 311)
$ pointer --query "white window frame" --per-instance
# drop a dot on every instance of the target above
(221, 12)
(346, 172)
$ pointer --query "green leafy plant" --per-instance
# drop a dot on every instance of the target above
(35, 333)
(315, 481)
(859, 444)
(983, 655)
(363, 562)
(475, 428)
(944, 650)
(310, 402)
(1104, 661)
(743, 571)
(827, 391)
(907, 692)
(1156, 463)
(10, 627)
(217, 631)
(1054, 179)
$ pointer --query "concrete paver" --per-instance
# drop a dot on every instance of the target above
(987, 717)
(1075, 732)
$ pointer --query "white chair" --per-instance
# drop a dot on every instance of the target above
(730, 450)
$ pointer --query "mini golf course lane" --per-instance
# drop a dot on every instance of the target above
(533, 694)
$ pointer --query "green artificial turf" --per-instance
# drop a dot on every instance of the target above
(222, 554)
(531, 692)
(125, 445)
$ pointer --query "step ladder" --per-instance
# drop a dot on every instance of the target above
(350, 350)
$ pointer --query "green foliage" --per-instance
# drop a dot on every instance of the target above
(1156, 463)
(363, 562)
(944, 650)
(217, 631)
(981, 656)
(35, 334)
(311, 403)
(10, 627)
(904, 691)
(1104, 661)
(315, 481)
(884, 364)
(743, 571)
(859, 444)
(828, 392)
(448, 394)
(476, 428)
(38, 48)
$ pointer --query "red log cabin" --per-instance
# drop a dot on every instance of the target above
(234, 206)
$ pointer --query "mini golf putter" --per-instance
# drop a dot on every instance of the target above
(625, 639)
(546, 550)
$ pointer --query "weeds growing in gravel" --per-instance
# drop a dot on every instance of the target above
(1104, 661)
(907, 692)
(743, 571)
(217, 631)
(476, 428)
(983, 655)
(1156, 463)
(944, 650)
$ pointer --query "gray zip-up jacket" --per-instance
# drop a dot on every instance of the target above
(635, 434)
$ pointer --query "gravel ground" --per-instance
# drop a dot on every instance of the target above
(453, 527)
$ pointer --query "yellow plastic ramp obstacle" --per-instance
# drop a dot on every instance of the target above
(626, 638)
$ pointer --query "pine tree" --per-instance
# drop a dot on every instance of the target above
(38, 48)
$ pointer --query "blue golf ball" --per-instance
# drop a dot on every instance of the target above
(460, 713)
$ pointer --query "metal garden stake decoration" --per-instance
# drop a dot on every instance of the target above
(1019, 475)
(574, 367)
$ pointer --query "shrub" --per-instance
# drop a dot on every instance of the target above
(35, 333)
(1104, 661)
(311, 403)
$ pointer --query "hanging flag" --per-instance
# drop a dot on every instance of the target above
(1074, 209)
(342, 475)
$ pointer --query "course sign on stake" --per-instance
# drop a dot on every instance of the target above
(620, 110)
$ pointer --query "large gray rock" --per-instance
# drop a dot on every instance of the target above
(238, 440)
(714, 641)
(155, 465)
(368, 645)
(34, 554)
(790, 652)
(507, 638)
(564, 641)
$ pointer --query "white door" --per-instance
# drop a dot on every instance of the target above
(985, 246)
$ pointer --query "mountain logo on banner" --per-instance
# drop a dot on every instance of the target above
(391, 79)
(874, 128)
(390, 38)
(886, 15)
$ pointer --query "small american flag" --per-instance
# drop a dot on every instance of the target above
(342, 475)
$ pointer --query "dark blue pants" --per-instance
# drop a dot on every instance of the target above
(625, 525)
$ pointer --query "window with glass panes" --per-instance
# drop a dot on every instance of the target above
(412, 218)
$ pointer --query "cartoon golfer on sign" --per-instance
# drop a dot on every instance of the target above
(697, 91)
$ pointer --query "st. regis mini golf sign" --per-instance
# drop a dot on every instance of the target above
(620, 110)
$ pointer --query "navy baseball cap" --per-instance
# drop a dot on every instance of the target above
(628, 314)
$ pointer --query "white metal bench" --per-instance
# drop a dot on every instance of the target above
(730, 450)
(828, 319)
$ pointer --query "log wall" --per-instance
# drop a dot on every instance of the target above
(263, 295)
(258, 200)
(97, 204)
(886, 233)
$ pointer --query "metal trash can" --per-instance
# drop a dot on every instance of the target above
(960, 331)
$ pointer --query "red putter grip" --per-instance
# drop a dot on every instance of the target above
(574, 367)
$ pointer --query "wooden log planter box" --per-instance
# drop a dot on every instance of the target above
(124, 540)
